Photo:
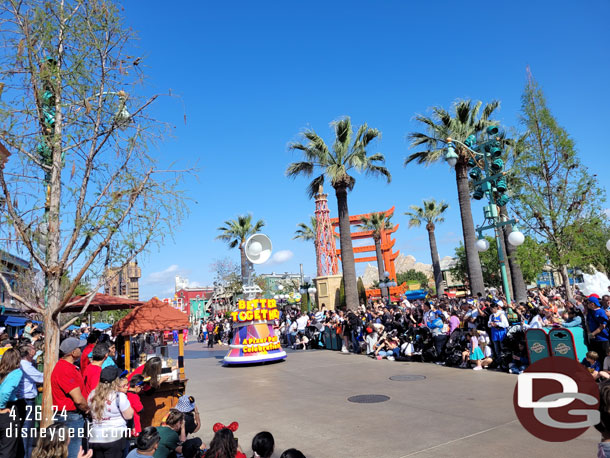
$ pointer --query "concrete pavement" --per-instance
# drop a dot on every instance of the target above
(303, 403)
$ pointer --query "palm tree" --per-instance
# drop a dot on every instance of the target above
(430, 213)
(377, 223)
(307, 234)
(235, 232)
(348, 153)
(441, 126)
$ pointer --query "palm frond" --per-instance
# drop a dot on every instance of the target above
(377, 170)
(314, 187)
(425, 157)
(299, 168)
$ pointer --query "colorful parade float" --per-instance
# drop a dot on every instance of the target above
(254, 339)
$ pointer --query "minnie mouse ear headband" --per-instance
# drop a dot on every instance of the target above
(218, 426)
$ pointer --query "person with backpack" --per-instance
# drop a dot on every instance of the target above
(110, 411)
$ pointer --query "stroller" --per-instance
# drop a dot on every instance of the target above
(314, 334)
(424, 345)
(457, 343)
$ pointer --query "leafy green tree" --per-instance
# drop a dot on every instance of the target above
(412, 276)
(77, 178)
(556, 196)
(377, 223)
(349, 153)
(441, 126)
(361, 291)
(532, 259)
(430, 213)
(489, 263)
(235, 232)
(341, 299)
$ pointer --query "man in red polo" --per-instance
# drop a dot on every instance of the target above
(67, 389)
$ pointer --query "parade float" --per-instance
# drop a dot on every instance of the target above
(254, 338)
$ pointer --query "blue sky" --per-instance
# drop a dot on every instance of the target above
(252, 75)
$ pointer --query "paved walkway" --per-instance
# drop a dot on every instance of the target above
(303, 402)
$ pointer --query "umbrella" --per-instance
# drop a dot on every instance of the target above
(72, 328)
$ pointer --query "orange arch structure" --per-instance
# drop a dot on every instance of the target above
(387, 242)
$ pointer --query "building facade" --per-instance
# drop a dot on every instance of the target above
(123, 282)
(11, 266)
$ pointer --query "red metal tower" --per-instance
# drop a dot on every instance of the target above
(326, 252)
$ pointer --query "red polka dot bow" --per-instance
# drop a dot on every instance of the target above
(218, 426)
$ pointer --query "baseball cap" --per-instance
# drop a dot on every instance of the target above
(185, 404)
(70, 344)
(111, 373)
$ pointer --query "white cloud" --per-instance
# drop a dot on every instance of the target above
(607, 212)
(163, 276)
(281, 256)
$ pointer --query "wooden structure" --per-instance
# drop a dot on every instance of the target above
(156, 316)
(100, 303)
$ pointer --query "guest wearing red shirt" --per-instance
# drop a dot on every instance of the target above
(84, 358)
(67, 389)
(91, 375)
(133, 395)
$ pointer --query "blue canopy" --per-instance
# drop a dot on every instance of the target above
(101, 326)
(73, 327)
(416, 294)
(15, 321)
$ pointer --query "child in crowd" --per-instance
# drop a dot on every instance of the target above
(475, 354)
(292, 453)
(263, 445)
(133, 395)
(302, 341)
(520, 360)
(591, 362)
(146, 443)
(224, 445)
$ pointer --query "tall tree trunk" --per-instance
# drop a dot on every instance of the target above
(347, 251)
(519, 289)
(436, 262)
(51, 348)
(566, 282)
(244, 264)
(475, 274)
(380, 266)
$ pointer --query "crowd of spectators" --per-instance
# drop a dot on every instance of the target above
(97, 405)
(479, 332)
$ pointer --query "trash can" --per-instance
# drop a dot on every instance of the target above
(334, 340)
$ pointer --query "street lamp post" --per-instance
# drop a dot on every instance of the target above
(386, 284)
(488, 179)
(307, 288)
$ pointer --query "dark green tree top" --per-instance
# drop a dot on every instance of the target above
(555, 196)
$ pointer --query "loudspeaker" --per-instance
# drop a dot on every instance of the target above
(258, 248)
